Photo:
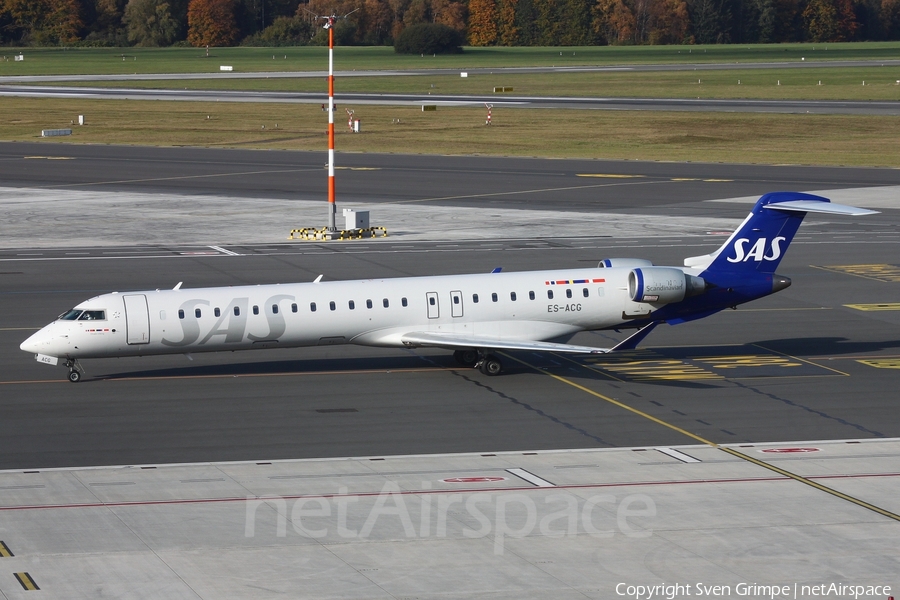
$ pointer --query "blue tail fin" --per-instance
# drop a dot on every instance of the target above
(760, 242)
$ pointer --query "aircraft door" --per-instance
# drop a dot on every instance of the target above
(137, 319)
(456, 304)
(434, 309)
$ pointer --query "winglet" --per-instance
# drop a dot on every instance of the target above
(319, 278)
(178, 287)
(497, 269)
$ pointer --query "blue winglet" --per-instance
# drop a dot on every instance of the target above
(497, 269)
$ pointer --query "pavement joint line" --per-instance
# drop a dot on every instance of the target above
(802, 360)
(431, 492)
(239, 376)
(182, 177)
(519, 192)
(798, 478)
(502, 453)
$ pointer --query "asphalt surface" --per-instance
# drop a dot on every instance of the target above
(465, 181)
(800, 365)
(840, 107)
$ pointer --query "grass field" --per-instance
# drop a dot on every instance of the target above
(791, 84)
(710, 137)
(54, 61)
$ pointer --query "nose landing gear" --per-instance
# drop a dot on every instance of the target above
(75, 371)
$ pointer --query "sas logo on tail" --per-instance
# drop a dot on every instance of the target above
(758, 251)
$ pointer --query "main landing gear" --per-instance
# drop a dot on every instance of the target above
(75, 371)
(484, 362)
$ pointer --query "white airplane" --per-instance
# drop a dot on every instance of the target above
(472, 315)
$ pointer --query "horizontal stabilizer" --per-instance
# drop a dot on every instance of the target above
(828, 208)
(454, 341)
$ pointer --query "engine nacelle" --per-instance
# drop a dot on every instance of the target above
(630, 263)
(663, 285)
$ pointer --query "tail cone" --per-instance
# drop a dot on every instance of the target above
(779, 282)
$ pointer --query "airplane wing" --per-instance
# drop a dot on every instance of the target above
(454, 341)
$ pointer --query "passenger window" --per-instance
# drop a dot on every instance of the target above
(237, 311)
(600, 292)
(585, 292)
(512, 296)
(217, 312)
(494, 297)
(274, 309)
(568, 293)
(550, 294)
(368, 304)
(294, 307)
(531, 295)
(385, 302)
(180, 313)
(352, 304)
(403, 302)
(162, 315)
(332, 305)
(197, 312)
(432, 301)
(455, 299)
(474, 298)
(255, 310)
(312, 307)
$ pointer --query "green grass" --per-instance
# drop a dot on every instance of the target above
(709, 137)
(55, 61)
(790, 84)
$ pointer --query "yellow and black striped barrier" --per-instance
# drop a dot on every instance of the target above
(27, 581)
(313, 234)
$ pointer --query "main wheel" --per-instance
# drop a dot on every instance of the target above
(491, 366)
(467, 358)
(74, 376)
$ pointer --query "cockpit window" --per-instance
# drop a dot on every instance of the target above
(93, 315)
(71, 315)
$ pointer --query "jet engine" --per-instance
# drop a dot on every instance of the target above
(608, 263)
(663, 285)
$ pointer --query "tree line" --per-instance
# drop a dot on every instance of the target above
(482, 22)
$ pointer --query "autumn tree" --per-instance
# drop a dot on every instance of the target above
(451, 13)
(150, 23)
(670, 22)
(482, 22)
(211, 23)
(507, 29)
(44, 22)
(830, 20)
(613, 21)
(890, 18)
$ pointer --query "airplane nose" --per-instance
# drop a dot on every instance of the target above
(36, 343)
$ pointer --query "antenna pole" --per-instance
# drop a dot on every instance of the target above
(332, 207)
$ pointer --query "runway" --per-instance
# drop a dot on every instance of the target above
(816, 361)
(835, 107)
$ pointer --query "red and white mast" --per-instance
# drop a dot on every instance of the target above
(332, 206)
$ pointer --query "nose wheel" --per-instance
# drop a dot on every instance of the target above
(75, 371)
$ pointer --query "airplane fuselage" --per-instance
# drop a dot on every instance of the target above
(536, 305)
